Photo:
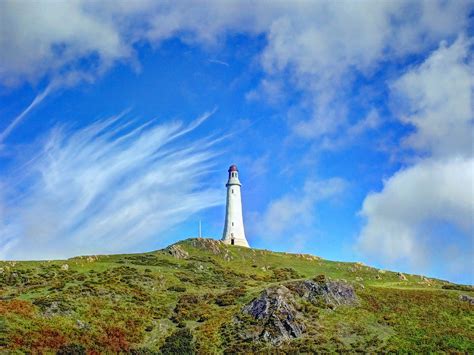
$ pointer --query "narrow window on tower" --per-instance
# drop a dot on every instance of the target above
(232, 190)
(232, 224)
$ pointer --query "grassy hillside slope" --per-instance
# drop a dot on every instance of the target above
(189, 297)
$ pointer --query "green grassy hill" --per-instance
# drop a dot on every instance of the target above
(190, 296)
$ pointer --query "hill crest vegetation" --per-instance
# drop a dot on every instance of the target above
(202, 296)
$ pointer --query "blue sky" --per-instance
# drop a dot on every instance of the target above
(350, 122)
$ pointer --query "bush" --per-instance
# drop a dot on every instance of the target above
(191, 307)
(286, 273)
(228, 298)
(71, 349)
(177, 288)
(180, 342)
(142, 351)
(458, 287)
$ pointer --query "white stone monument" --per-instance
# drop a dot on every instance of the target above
(234, 233)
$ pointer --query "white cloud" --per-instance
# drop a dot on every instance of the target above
(365, 125)
(427, 201)
(433, 191)
(321, 46)
(51, 38)
(104, 188)
(316, 45)
(288, 215)
(435, 98)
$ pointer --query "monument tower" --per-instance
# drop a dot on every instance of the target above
(234, 233)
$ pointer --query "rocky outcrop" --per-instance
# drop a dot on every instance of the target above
(466, 298)
(325, 292)
(402, 276)
(277, 312)
(176, 251)
(216, 247)
(278, 317)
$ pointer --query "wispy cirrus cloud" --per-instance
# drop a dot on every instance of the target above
(104, 188)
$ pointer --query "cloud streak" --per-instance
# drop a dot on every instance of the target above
(16, 121)
(104, 188)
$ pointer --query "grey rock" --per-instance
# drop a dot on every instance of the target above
(82, 325)
(466, 298)
(402, 276)
(55, 309)
(177, 252)
(277, 315)
(331, 293)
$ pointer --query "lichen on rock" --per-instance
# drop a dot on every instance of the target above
(467, 298)
(177, 252)
(276, 311)
(212, 245)
(330, 293)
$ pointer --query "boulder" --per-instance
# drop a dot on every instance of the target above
(214, 246)
(466, 298)
(176, 251)
(331, 293)
(402, 277)
(306, 256)
(277, 315)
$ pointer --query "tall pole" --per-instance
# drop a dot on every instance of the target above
(200, 235)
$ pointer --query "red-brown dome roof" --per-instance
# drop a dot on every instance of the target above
(233, 168)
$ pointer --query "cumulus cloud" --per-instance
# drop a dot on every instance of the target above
(435, 98)
(104, 188)
(406, 218)
(315, 47)
(321, 47)
(433, 191)
(293, 213)
(46, 38)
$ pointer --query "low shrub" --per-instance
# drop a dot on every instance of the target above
(71, 349)
(286, 273)
(458, 287)
(180, 342)
(177, 288)
(228, 298)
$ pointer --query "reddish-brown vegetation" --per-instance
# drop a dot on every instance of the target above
(19, 307)
(114, 339)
